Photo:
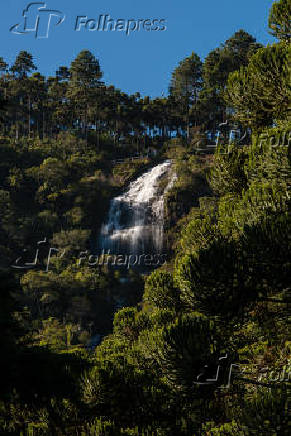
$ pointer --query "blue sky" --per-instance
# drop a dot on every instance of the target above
(142, 61)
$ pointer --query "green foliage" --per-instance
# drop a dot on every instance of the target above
(279, 20)
(198, 234)
(213, 281)
(23, 64)
(181, 349)
(226, 289)
(185, 86)
(227, 174)
(267, 410)
(260, 92)
(227, 429)
(160, 291)
(218, 66)
(73, 241)
(128, 322)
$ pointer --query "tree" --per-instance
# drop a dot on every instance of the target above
(59, 111)
(3, 65)
(279, 20)
(185, 86)
(11, 331)
(229, 57)
(3, 86)
(85, 79)
(241, 46)
(37, 98)
(181, 350)
(160, 291)
(260, 93)
(21, 90)
(23, 65)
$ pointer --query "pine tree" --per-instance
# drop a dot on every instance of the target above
(279, 20)
(85, 79)
(23, 65)
(185, 86)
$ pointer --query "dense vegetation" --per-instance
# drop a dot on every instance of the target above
(219, 307)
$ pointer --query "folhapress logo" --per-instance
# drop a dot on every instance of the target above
(38, 19)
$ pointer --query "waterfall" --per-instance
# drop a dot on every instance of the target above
(135, 223)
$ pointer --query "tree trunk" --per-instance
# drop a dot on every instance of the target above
(29, 116)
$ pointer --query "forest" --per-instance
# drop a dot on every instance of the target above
(197, 346)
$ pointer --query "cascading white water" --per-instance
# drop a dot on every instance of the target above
(135, 219)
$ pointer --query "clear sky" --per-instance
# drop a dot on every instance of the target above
(143, 60)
